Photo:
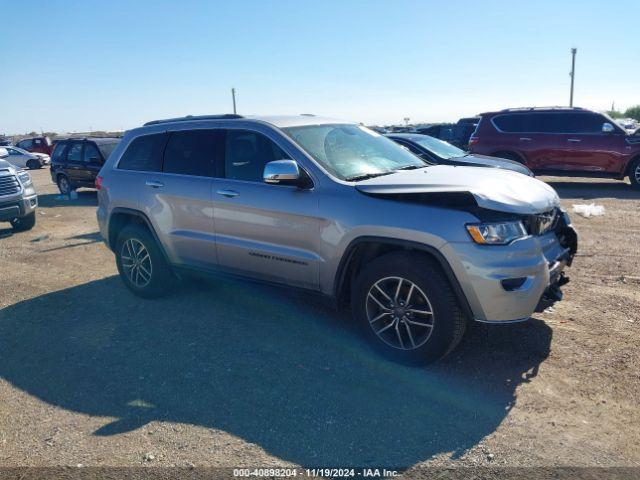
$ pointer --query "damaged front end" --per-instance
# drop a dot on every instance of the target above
(568, 239)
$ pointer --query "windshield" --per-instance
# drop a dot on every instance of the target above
(107, 148)
(352, 152)
(438, 147)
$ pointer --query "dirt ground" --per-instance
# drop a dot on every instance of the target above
(237, 374)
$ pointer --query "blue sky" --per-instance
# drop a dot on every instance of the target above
(74, 65)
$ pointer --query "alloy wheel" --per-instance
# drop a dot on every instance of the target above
(637, 173)
(399, 313)
(136, 262)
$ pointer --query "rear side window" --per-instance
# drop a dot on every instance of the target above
(58, 152)
(144, 154)
(25, 144)
(91, 152)
(246, 154)
(191, 152)
(510, 123)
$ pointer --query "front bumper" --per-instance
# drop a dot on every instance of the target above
(17, 207)
(508, 283)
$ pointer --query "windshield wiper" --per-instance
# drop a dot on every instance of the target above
(409, 167)
(365, 176)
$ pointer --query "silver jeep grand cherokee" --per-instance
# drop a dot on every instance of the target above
(333, 207)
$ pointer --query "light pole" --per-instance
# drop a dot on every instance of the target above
(233, 96)
(573, 73)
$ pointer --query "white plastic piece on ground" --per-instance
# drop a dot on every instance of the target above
(587, 211)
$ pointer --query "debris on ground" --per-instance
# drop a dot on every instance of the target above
(588, 211)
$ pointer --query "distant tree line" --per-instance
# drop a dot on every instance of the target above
(631, 112)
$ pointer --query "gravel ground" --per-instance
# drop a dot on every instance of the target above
(237, 374)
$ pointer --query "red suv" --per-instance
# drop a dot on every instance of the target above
(36, 145)
(560, 141)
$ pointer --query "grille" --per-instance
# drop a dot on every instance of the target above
(542, 222)
(9, 185)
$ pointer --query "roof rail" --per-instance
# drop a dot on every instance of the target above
(530, 109)
(189, 118)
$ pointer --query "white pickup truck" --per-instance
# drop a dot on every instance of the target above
(18, 198)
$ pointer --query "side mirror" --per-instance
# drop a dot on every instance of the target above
(607, 128)
(3, 153)
(282, 172)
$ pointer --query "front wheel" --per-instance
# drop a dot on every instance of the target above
(33, 165)
(407, 309)
(24, 223)
(141, 264)
(634, 173)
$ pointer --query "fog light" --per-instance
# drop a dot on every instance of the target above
(511, 284)
(33, 202)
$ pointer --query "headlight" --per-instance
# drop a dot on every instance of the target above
(496, 233)
(24, 177)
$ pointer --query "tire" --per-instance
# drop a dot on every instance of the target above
(64, 185)
(25, 223)
(424, 345)
(33, 164)
(634, 173)
(153, 277)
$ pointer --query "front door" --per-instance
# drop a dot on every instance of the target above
(264, 231)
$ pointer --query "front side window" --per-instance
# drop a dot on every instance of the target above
(144, 154)
(246, 154)
(75, 152)
(191, 152)
(352, 152)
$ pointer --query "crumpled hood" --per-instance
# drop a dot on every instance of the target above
(493, 188)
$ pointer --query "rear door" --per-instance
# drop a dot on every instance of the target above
(262, 230)
(92, 160)
(74, 166)
(178, 200)
(16, 157)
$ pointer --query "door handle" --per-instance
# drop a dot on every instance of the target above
(525, 139)
(574, 140)
(154, 184)
(228, 193)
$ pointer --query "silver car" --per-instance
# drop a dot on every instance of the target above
(416, 251)
(23, 159)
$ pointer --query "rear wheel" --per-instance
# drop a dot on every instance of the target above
(634, 173)
(64, 185)
(407, 309)
(141, 264)
(25, 223)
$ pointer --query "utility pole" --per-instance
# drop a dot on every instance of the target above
(573, 73)
(233, 96)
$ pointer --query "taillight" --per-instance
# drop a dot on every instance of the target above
(473, 141)
(98, 182)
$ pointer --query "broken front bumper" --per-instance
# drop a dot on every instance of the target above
(508, 283)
